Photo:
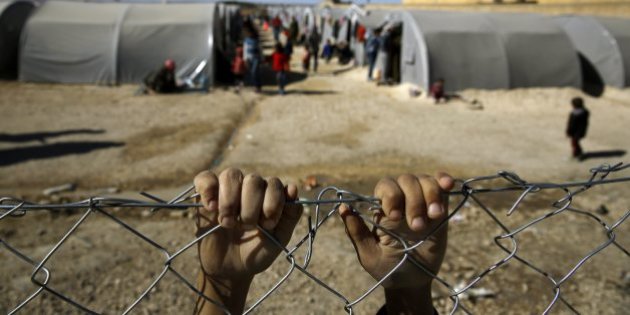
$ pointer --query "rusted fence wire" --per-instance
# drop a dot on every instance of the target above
(325, 206)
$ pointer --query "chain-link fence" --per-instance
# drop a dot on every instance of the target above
(325, 206)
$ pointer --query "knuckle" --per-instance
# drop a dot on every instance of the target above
(232, 174)
(406, 178)
(428, 183)
(274, 182)
(253, 179)
(204, 178)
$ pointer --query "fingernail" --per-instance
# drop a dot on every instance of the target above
(435, 210)
(417, 223)
(395, 215)
(228, 222)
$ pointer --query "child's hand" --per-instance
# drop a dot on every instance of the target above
(411, 208)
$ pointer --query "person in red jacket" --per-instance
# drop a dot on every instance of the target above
(280, 64)
(239, 68)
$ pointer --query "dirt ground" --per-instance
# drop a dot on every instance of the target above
(333, 125)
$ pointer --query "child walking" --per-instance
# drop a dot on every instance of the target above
(280, 64)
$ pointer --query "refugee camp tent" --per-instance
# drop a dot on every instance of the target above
(460, 47)
(13, 16)
(109, 43)
(373, 19)
(539, 53)
(330, 16)
(486, 50)
(152, 33)
(603, 42)
(376, 18)
(72, 42)
(308, 20)
(620, 30)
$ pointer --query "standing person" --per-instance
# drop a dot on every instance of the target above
(238, 68)
(306, 59)
(251, 55)
(276, 25)
(294, 30)
(279, 64)
(577, 126)
(371, 49)
(384, 55)
(288, 48)
(313, 42)
(327, 52)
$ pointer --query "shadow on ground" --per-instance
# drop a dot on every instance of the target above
(44, 135)
(299, 92)
(23, 154)
(268, 76)
(602, 154)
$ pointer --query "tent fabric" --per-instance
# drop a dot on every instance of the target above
(539, 53)
(620, 30)
(13, 17)
(377, 18)
(152, 33)
(593, 41)
(486, 50)
(459, 47)
(71, 43)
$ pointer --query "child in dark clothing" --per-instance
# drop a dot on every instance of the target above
(280, 64)
(577, 126)
(164, 81)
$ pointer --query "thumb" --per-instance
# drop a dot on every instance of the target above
(362, 238)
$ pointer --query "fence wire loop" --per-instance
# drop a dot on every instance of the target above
(326, 205)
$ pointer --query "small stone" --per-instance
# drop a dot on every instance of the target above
(310, 182)
(602, 209)
(177, 214)
(58, 189)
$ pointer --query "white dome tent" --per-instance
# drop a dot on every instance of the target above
(486, 50)
(110, 43)
(604, 42)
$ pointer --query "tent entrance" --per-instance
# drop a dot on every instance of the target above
(392, 44)
(12, 22)
(592, 82)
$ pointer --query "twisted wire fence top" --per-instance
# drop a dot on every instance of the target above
(325, 206)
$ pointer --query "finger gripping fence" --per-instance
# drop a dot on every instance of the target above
(325, 206)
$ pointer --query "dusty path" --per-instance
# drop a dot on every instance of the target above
(340, 125)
